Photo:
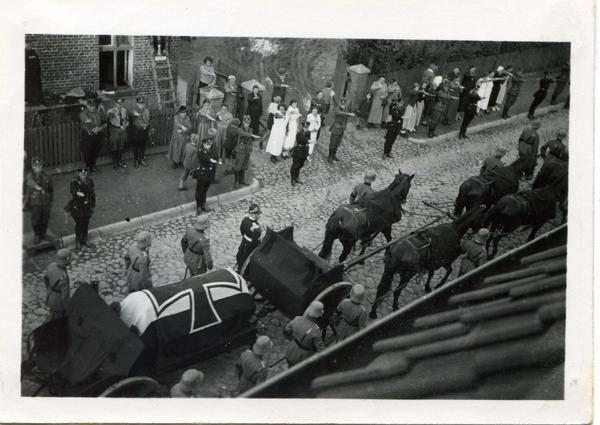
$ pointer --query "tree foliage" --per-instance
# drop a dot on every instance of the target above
(383, 56)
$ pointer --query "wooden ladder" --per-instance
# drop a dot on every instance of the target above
(163, 80)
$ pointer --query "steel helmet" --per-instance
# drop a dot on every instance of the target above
(143, 239)
(315, 309)
(262, 345)
(357, 294)
(482, 236)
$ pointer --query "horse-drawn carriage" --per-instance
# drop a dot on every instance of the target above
(97, 350)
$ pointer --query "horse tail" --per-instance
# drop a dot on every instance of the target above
(331, 230)
(461, 199)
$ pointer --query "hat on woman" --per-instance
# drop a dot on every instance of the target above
(254, 209)
(482, 236)
(357, 294)
(64, 256)
(202, 222)
(262, 345)
(143, 239)
(536, 124)
(315, 309)
(182, 109)
(370, 177)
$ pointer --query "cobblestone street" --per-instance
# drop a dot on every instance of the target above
(439, 170)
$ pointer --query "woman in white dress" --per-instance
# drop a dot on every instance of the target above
(290, 140)
(277, 136)
(315, 123)
(485, 90)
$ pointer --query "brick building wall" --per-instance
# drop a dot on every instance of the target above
(67, 61)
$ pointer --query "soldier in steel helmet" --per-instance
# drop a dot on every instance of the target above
(350, 316)
(305, 334)
(252, 367)
(137, 261)
(40, 196)
(475, 250)
(196, 247)
(57, 284)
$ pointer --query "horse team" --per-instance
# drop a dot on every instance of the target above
(492, 201)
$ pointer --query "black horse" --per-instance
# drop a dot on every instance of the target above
(555, 173)
(489, 188)
(366, 218)
(427, 250)
(532, 207)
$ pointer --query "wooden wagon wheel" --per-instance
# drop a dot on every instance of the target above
(138, 386)
(330, 298)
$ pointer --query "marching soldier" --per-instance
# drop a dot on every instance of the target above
(350, 316)
(140, 131)
(529, 142)
(556, 148)
(189, 383)
(493, 161)
(137, 261)
(305, 333)
(57, 284)
(251, 231)
(475, 250)
(196, 247)
(40, 196)
(119, 121)
(82, 205)
(251, 369)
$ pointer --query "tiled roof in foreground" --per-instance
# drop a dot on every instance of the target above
(495, 333)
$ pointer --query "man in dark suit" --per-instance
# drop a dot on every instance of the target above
(337, 129)
(205, 175)
(470, 111)
(300, 153)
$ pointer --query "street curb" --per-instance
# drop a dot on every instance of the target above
(485, 126)
(103, 232)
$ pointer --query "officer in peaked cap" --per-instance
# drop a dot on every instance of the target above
(251, 368)
(196, 247)
(475, 250)
(82, 205)
(350, 316)
(57, 284)
(137, 261)
(251, 232)
(305, 333)
(39, 196)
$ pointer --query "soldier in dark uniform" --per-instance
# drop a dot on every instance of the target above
(205, 175)
(350, 316)
(470, 112)
(475, 250)
(469, 82)
(279, 85)
(394, 127)
(251, 369)
(40, 195)
(561, 82)
(33, 77)
(82, 205)
(493, 161)
(140, 132)
(242, 150)
(250, 230)
(306, 335)
(57, 285)
(118, 123)
(512, 94)
(540, 95)
(137, 261)
(337, 129)
(196, 247)
(92, 133)
(441, 106)
(319, 103)
(300, 153)
(364, 188)
(529, 142)
(231, 139)
(555, 147)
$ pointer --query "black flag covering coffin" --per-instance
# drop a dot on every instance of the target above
(189, 316)
(287, 275)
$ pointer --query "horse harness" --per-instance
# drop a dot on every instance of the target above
(420, 241)
(486, 182)
(352, 209)
(523, 204)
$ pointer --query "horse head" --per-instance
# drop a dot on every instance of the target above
(400, 186)
(473, 219)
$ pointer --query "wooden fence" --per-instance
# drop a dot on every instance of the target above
(530, 60)
(59, 144)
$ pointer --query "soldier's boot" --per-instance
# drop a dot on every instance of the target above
(237, 180)
(431, 130)
(335, 158)
(243, 178)
(330, 157)
(553, 101)
(119, 157)
(115, 160)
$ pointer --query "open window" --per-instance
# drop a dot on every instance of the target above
(116, 60)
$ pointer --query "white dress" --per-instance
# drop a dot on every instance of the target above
(315, 124)
(502, 92)
(290, 139)
(275, 144)
(485, 91)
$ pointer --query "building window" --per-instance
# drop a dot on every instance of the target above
(116, 60)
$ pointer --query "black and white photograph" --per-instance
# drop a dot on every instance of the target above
(308, 224)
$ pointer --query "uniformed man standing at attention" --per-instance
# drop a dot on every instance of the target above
(350, 316)
(306, 335)
(337, 129)
(251, 232)
(40, 196)
(196, 247)
(57, 284)
(137, 261)
(493, 161)
(251, 369)
(140, 132)
(475, 250)
(118, 119)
